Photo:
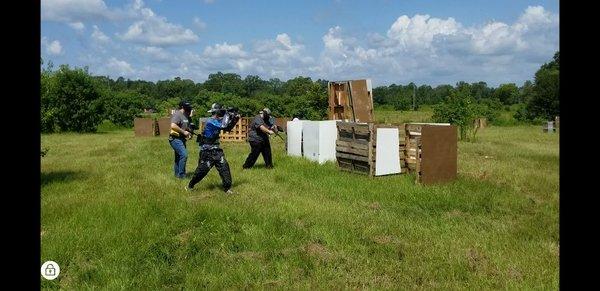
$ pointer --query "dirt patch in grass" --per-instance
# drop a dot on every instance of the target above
(250, 255)
(184, 237)
(455, 213)
(478, 262)
(513, 273)
(317, 250)
(383, 239)
(375, 206)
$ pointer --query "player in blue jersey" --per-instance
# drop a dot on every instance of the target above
(211, 153)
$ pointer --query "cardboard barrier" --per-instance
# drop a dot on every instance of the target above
(164, 126)
(144, 126)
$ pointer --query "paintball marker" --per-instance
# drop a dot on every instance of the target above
(279, 128)
(193, 127)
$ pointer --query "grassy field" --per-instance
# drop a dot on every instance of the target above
(114, 217)
(424, 114)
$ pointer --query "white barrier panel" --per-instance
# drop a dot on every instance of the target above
(388, 156)
(294, 138)
(318, 140)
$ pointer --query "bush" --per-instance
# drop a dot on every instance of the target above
(458, 109)
(70, 101)
(122, 107)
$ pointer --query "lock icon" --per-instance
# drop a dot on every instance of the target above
(50, 270)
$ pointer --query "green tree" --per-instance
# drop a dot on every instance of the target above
(71, 101)
(458, 109)
(253, 84)
(225, 83)
(545, 101)
(122, 107)
(507, 93)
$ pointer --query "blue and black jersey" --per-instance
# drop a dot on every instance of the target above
(210, 134)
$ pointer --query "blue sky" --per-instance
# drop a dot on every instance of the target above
(426, 42)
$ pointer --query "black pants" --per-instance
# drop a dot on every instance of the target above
(257, 148)
(208, 159)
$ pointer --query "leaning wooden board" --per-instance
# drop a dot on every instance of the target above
(438, 158)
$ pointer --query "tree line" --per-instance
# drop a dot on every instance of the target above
(72, 99)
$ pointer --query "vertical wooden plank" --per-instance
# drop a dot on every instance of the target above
(370, 150)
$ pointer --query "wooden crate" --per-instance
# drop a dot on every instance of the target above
(356, 146)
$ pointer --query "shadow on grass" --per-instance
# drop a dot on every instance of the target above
(60, 176)
(259, 166)
(219, 186)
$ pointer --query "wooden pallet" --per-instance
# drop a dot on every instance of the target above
(239, 133)
(413, 147)
(356, 147)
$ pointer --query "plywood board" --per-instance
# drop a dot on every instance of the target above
(164, 126)
(143, 126)
(282, 122)
(362, 101)
(438, 154)
(386, 152)
(294, 138)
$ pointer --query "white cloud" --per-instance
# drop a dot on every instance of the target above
(53, 48)
(78, 26)
(333, 41)
(99, 36)
(225, 50)
(119, 67)
(154, 30)
(73, 11)
(438, 50)
(156, 53)
(419, 31)
(419, 48)
(199, 24)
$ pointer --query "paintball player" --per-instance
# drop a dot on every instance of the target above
(210, 152)
(258, 136)
(180, 130)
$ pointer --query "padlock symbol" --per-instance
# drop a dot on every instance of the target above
(50, 270)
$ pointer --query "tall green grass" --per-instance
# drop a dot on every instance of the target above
(114, 217)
